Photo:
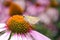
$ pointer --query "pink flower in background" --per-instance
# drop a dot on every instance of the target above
(53, 14)
(44, 18)
(40, 13)
(4, 13)
(49, 16)
(43, 2)
(32, 10)
(17, 28)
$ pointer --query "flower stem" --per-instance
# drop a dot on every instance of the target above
(10, 36)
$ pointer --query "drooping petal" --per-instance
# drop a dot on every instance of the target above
(24, 37)
(2, 29)
(5, 36)
(14, 37)
(28, 36)
(19, 37)
(2, 25)
(32, 20)
(38, 36)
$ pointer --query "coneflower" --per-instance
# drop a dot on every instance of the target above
(7, 9)
(17, 28)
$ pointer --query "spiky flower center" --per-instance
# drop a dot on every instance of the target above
(17, 24)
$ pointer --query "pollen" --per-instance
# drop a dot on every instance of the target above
(17, 24)
(15, 9)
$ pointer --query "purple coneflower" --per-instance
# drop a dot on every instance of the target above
(14, 9)
(43, 2)
(16, 28)
(7, 9)
(3, 13)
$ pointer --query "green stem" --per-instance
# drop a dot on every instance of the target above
(10, 36)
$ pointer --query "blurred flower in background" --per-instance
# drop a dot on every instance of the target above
(46, 14)
(7, 9)
(3, 12)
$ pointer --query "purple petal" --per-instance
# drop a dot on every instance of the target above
(40, 9)
(44, 18)
(2, 25)
(28, 36)
(43, 2)
(5, 36)
(38, 36)
(14, 37)
(32, 10)
(2, 29)
(4, 15)
(0, 8)
(19, 37)
(23, 37)
(53, 14)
